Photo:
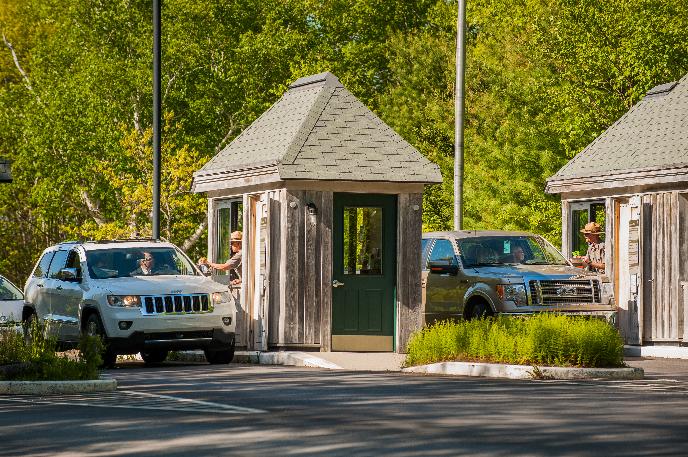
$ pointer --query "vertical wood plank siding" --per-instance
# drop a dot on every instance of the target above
(682, 255)
(305, 270)
(275, 246)
(565, 229)
(409, 234)
(325, 222)
(610, 231)
(293, 258)
(663, 308)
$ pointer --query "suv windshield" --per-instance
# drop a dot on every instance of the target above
(8, 291)
(508, 250)
(146, 261)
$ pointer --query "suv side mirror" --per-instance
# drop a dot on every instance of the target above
(70, 274)
(443, 267)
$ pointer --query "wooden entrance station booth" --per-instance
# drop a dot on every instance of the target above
(329, 200)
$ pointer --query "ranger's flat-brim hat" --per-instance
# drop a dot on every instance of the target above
(592, 228)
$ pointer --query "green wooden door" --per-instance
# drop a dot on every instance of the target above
(363, 272)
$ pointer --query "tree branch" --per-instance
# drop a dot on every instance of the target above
(93, 209)
(17, 64)
(193, 239)
(232, 129)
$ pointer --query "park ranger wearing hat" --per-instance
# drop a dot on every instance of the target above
(594, 258)
(234, 262)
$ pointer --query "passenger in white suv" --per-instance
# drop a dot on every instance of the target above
(103, 288)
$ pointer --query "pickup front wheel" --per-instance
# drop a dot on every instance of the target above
(479, 310)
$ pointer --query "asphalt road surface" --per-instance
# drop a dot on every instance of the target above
(196, 409)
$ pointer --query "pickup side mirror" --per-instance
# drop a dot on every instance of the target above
(70, 274)
(443, 267)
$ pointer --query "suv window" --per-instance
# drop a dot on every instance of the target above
(442, 250)
(73, 261)
(8, 291)
(41, 270)
(57, 264)
(125, 262)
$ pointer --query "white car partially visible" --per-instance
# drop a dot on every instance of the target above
(11, 305)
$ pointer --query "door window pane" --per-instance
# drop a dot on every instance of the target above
(362, 241)
(57, 264)
(42, 267)
(578, 245)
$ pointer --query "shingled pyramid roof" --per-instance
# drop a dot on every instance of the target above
(318, 130)
(651, 137)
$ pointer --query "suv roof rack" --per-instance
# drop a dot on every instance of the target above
(126, 240)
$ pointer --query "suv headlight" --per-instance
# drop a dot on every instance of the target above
(513, 292)
(124, 301)
(220, 297)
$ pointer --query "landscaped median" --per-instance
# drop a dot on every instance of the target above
(542, 346)
(32, 365)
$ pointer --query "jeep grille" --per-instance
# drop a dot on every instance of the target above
(176, 304)
(564, 291)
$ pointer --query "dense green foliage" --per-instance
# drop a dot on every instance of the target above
(36, 359)
(544, 78)
(543, 339)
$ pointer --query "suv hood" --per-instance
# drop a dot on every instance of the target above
(159, 285)
(535, 271)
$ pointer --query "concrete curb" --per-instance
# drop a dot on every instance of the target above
(665, 352)
(495, 370)
(56, 387)
(291, 358)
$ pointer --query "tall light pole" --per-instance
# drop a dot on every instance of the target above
(458, 116)
(156, 119)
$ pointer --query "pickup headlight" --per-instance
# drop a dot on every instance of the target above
(513, 292)
(220, 297)
(124, 301)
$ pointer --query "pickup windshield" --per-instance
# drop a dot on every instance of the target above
(508, 250)
(126, 262)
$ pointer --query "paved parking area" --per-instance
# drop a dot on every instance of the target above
(197, 409)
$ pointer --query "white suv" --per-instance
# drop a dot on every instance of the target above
(141, 295)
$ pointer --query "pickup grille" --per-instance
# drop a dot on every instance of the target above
(564, 291)
(175, 304)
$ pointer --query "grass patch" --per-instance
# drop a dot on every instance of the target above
(542, 339)
(36, 358)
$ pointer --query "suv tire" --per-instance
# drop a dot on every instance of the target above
(154, 357)
(219, 357)
(94, 327)
(480, 310)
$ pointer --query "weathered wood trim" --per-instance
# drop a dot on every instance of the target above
(409, 299)
(293, 280)
(674, 275)
(637, 180)
(683, 265)
(207, 181)
(609, 237)
(274, 256)
(566, 228)
(366, 187)
(309, 275)
(326, 221)
(282, 291)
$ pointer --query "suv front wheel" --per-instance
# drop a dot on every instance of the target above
(219, 357)
(94, 327)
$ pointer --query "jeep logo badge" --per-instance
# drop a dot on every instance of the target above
(176, 291)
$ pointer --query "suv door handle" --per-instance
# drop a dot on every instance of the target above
(59, 288)
(39, 285)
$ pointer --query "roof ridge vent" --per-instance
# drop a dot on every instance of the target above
(320, 79)
(661, 89)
